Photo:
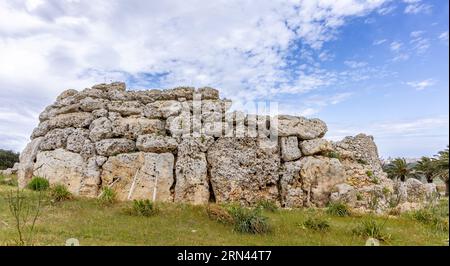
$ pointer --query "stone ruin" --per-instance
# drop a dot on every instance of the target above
(183, 145)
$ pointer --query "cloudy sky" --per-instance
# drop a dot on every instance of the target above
(374, 66)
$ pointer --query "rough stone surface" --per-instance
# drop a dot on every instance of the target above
(319, 175)
(301, 127)
(191, 171)
(289, 148)
(241, 171)
(315, 146)
(156, 143)
(168, 145)
(111, 147)
(291, 191)
(140, 176)
(68, 168)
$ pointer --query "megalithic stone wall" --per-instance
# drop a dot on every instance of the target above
(182, 145)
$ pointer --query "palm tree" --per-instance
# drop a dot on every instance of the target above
(442, 166)
(427, 167)
(400, 169)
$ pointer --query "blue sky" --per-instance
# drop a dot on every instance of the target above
(373, 66)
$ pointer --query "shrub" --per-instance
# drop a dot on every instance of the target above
(338, 209)
(369, 173)
(333, 154)
(219, 214)
(107, 196)
(371, 228)
(432, 217)
(144, 208)
(38, 184)
(60, 193)
(359, 196)
(317, 223)
(249, 220)
(376, 180)
(361, 161)
(8, 180)
(267, 205)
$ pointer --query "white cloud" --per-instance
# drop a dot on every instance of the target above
(378, 42)
(444, 37)
(416, 7)
(395, 137)
(355, 64)
(421, 85)
(242, 47)
(395, 46)
(386, 10)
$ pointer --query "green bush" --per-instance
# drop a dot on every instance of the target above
(144, 208)
(369, 173)
(59, 192)
(249, 220)
(371, 228)
(333, 154)
(338, 209)
(38, 184)
(267, 205)
(107, 196)
(432, 217)
(317, 223)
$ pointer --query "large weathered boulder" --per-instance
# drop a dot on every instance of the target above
(301, 127)
(191, 171)
(361, 148)
(291, 192)
(70, 169)
(55, 139)
(111, 147)
(27, 159)
(319, 175)
(140, 176)
(156, 143)
(132, 127)
(315, 146)
(242, 171)
(289, 148)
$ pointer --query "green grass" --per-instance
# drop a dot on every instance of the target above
(178, 224)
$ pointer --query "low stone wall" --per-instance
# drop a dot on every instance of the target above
(183, 145)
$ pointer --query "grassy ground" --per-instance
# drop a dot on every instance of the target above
(175, 224)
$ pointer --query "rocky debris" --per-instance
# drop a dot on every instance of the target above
(240, 171)
(184, 145)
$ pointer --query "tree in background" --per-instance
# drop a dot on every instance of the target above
(442, 166)
(426, 167)
(400, 169)
(7, 159)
